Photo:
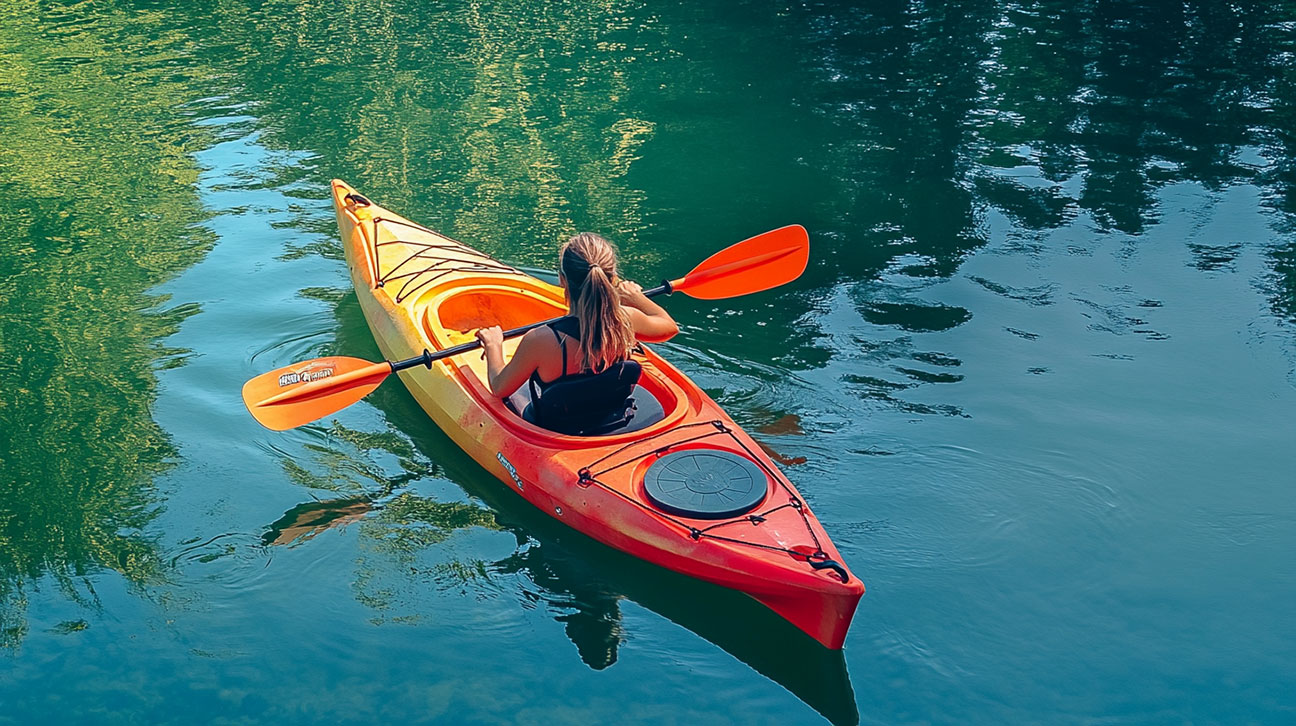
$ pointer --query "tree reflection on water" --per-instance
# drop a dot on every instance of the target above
(95, 212)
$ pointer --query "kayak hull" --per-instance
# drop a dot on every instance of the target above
(420, 290)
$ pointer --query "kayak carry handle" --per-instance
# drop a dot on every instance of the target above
(833, 565)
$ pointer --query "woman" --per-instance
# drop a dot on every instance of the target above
(590, 346)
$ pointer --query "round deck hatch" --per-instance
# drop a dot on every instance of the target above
(705, 484)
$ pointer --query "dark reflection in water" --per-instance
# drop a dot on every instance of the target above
(1128, 96)
(1041, 111)
(588, 581)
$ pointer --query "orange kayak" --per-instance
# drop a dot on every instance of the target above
(681, 486)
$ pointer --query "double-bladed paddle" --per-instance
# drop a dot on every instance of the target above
(300, 393)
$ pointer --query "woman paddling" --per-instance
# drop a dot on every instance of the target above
(578, 369)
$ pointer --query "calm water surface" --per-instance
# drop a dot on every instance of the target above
(1039, 381)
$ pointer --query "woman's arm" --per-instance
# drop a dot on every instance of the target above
(652, 324)
(503, 379)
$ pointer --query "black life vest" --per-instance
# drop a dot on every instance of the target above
(583, 404)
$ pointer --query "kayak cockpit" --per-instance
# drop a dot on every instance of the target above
(454, 318)
(468, 311)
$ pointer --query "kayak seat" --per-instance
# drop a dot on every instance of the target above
(637, 410)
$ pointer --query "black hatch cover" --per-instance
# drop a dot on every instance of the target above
(705, 484)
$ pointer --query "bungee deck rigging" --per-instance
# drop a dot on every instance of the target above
(817, 558)
(441, 265)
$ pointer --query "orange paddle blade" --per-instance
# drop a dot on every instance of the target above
(300, 393)
(753, 265)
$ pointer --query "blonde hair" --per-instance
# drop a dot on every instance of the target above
(588, 263)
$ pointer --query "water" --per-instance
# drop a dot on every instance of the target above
(1038, 382)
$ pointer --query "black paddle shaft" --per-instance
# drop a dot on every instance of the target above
(428, 357)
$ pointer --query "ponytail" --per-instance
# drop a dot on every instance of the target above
(588, 263)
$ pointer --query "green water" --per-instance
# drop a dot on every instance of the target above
(1039, 381)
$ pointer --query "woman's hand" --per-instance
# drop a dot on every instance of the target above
(503, 379)
(491, 338)
(632, 294)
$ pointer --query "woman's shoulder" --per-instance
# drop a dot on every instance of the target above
(538, 337)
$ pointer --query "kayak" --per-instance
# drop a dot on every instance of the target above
(680, 485)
